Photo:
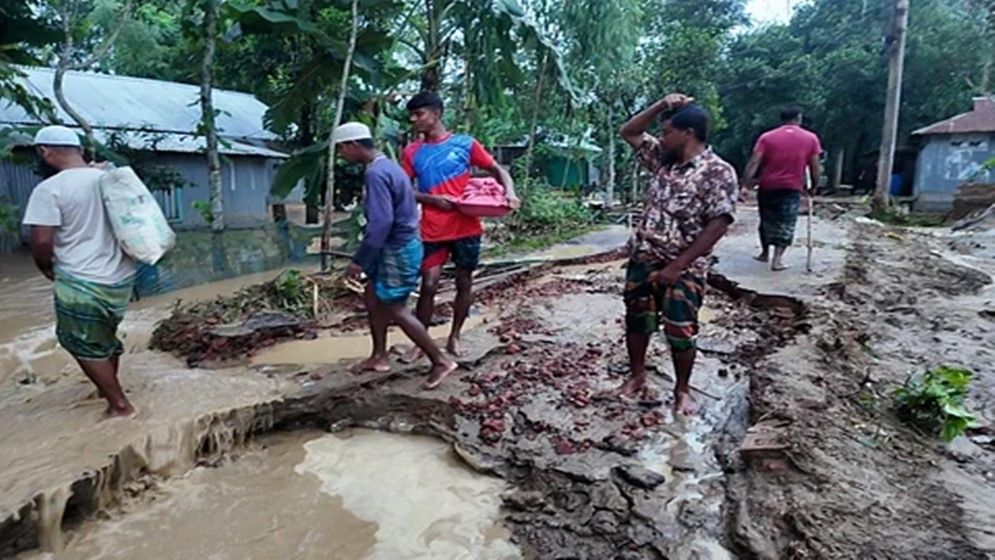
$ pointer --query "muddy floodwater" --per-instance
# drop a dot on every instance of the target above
(358, 494)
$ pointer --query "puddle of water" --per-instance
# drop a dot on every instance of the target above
(426, 503)
(329, 349)
(355, 495)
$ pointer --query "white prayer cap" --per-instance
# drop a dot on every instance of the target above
(350, 132)
(57, 136)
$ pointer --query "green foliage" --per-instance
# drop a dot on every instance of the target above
(203, 208)
(289, 286)
(934, 402)
(8, 216)
(119, 150)
(548, 210)
(894, 218)
(24, 29)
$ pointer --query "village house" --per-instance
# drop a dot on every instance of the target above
(954, 152)
(160, 118)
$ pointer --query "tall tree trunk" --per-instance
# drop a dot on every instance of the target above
(207, 114)
(326, 227)
(434, 51)
(610, 187)
(57, 86)
(532, 127)
(312, 210)
(836, 176)
(67, 13)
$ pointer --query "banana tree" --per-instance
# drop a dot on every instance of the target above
(488, 34)
(312, 31)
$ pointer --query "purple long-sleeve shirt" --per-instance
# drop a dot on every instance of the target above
(390, 210)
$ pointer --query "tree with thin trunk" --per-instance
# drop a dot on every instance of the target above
(208, 122)
(326, 229)
(69, 13)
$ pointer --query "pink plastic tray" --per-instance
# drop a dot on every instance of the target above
(483, 198)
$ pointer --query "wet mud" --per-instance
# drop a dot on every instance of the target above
(308, 494)
(854, 482)
(586, 477)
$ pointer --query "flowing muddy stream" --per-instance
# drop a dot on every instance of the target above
(579, 475)
(357, 494)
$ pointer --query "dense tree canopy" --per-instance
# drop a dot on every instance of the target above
(514, 69)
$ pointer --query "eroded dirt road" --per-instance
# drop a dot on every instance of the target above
(579, 477)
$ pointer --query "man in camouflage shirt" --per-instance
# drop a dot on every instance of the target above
(688, 207)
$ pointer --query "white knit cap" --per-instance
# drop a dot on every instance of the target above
(56, 136)
(351, 131)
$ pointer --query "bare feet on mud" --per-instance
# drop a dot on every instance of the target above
(412, 355)
(120, 412)
(438, 374)
(684, 404)
(632, 388)
(762, 257)
(454, 347)
(779, 266)
(378, 364)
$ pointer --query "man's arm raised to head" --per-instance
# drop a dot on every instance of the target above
(634, 130)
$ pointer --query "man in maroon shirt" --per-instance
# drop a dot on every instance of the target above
(782, 155)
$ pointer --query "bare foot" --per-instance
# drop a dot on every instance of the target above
(454, 347)
(439, 372)
(762, 257)
(779, 266)
(632, 387)
(683, 404)
(127, 411)
(379, 364)
(412, 355)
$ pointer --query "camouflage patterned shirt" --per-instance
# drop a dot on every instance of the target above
(680, 201)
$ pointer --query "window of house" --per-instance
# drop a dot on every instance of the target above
(171, 202)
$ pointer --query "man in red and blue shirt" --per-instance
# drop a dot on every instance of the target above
(440, 163)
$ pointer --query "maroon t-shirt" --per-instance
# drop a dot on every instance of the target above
(785, 153)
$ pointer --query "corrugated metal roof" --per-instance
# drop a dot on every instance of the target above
(184, 143)
(981, 119)
(123, 102)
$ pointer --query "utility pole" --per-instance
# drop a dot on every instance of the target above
(896, 62)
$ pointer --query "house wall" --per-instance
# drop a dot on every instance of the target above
(245, 181)
(945, 162)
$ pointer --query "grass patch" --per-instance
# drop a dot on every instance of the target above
(546, 217)
(893, 218)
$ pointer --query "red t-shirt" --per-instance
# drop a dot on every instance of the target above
(442, 168)
(785, 153)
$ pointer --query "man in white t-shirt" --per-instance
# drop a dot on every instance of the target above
(73, 245)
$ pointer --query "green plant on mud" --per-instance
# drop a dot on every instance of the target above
(934, 401)
(291, 290)
(545, 217)
(894, 218)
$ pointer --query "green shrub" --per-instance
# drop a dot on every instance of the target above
(934, 402)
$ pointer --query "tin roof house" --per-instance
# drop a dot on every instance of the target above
(160, 119)
(954, 152)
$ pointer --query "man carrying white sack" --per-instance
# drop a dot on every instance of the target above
(74, 246)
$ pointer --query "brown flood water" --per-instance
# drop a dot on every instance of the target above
(354, 495)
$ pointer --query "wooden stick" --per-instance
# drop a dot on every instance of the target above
(808, 259)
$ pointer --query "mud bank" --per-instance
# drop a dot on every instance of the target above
(853, 482)
(308, 494)
(588, 478)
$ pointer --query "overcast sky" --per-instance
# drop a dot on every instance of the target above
(770, 11)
